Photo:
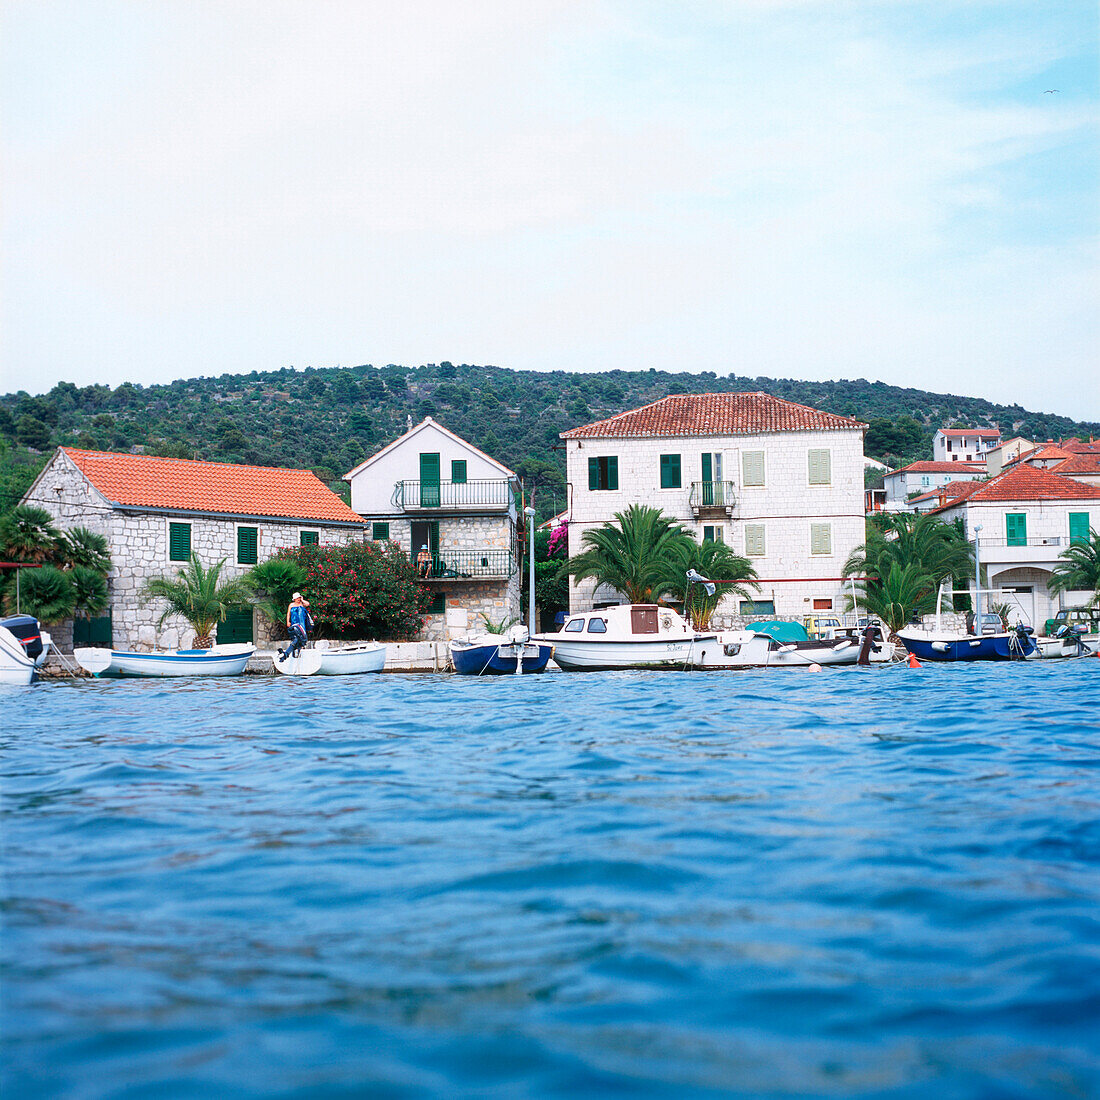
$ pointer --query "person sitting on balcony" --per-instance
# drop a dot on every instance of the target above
(424, 562)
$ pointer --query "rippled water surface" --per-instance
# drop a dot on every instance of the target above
(763, 884)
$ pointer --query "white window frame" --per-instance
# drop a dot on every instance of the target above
(301, 531)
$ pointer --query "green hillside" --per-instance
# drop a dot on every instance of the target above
(330, 419)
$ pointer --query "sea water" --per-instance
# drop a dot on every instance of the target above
(870, 883)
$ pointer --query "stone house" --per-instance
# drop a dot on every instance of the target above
(430, 488)
(1023, 520)
(155, 511)
(780, 483)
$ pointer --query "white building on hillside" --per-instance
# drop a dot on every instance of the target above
(964, 444)
(780, 483)
(1028, 517)
(430, 488)
(923, 477)
(1005, 453)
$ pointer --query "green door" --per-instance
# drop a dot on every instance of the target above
(1079, 528)
(236, 629)
(429, 480)
(93, 632)
(708, 480)
(1016, 528)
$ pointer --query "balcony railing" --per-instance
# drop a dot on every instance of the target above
(469, 565)
(482, 495)
(1049, 540)
(706, 496)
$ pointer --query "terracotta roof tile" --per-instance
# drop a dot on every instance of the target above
(1078, 464)
(1027, 483)
(144, 481)
(714, 414)
(982, 433)
(942, 468)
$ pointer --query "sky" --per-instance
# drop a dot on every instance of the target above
(812, 189)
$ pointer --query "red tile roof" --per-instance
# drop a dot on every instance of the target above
(1078, 464)
(1026, 483)
(941, 468)
(1041, 454)
(143, 481)
(691, 414)
(981, 433)
(1079, 447)
(951, 490)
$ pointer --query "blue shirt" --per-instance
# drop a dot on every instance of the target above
(299, 616)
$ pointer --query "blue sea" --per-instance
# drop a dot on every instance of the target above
(849, 883)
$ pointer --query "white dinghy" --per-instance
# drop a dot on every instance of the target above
(335, 659)
(219, 660)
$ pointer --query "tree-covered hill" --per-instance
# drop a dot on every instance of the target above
(330, 419)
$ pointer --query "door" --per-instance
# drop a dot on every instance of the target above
(236, 627)
(712, 479)
(1016, 528)
(93, 632)
(429, 481)
(426, 533)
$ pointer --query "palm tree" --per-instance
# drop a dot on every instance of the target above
(898, 593)
(275, 581)
(1079, 570)
(630, 554)
(89, 591)
(46, 593)
(27, 534)
(734, 574)
(197, 596)
(80, 547)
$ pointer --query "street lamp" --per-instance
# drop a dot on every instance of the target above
(529, 512)
(977, 582)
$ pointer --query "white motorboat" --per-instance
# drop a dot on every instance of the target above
(756, 649)
(220, 660)
(16, 665)
(335, 659)
(625, 636)
(1068, 642)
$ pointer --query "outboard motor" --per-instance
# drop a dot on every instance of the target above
(27, 632)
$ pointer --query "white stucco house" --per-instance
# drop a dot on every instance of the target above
(155, 511)
(924, 477)
(780, 483)
(1005, 453)
(430, 488)
(1024, 519)
(964, 444)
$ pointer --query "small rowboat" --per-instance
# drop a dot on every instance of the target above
(326, 659)
(220, 660)
(492, 654)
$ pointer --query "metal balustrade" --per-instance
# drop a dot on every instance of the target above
(719, 495)
(479, 495)
(462, 565)
(1047, 540)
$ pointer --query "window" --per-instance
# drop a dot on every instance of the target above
(309, 538)
(954, 458)
(754, 540)
(821, 538)
(597, 626)
(458, 471)
(575, 626)
(948, 447)
(439, 604)
(1078, 528)
(670, 471)
(248, 540)
(380, 532)
(1016, 528)
(820, 464)
(823, 605)
(712, 534)
(752, 468)
(758, 607)
(603, 473)
(179, 542)
(925, 482)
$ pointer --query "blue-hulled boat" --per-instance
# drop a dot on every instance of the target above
(938, 645)
(499, 654)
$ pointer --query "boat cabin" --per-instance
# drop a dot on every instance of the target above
(629, 620)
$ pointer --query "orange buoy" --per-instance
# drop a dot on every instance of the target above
(913, 662)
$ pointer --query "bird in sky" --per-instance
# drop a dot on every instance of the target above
(1050, 91)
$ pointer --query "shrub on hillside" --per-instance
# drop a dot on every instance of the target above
(362, 590)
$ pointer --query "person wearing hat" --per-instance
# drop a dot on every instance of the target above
(299, 623)
(424, 562)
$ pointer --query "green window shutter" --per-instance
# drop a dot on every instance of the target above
(1078, 528)
(247, 544)
(754, 540)
(820, 461)
(458, 471)
(613, 472)
(821, 538)
(670, 471)
(179, 542)
(708, 534)
(1016, 528)
(380, 532)
(310, 538)
(439, 604)
(753, 467)
(593, 474)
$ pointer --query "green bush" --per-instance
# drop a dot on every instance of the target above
(362, 590)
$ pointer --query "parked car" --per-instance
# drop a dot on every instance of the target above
(1088, 617)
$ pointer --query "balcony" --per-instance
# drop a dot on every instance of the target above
(489, 495)
(1049, 540)
(471, 565)
(712, 499)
